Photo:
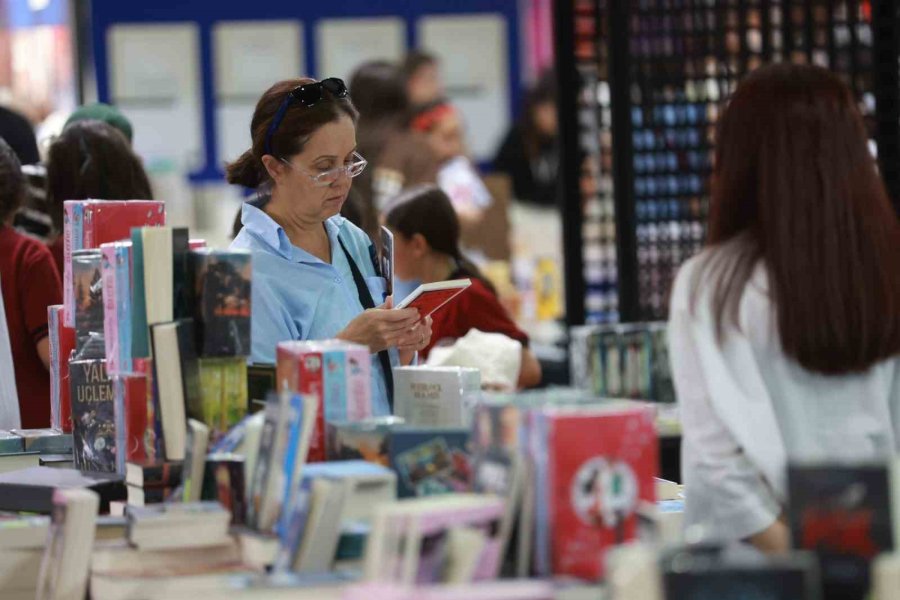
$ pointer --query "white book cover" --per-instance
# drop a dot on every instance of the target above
(436, 396)
(9, 397)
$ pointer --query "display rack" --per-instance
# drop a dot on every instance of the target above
(638, 112)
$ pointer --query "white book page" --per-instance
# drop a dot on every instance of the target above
(9, 398)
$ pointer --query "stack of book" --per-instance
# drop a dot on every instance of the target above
(629, 360)
(152, 482)
(24, 448)
(22, 540)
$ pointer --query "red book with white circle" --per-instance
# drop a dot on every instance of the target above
(430, 297)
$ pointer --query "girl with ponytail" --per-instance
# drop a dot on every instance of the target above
(426, 249)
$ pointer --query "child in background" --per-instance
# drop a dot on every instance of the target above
(426, 248)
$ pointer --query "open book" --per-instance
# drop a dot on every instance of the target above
(430, 297)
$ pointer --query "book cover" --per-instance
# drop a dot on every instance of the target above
(116, 272)
(194, 469)
(221, 282)
(154, 444)
(223, 383)
(93, 416)
(498, 440)
(367, 440)
(436, 396)
(844, 514)
(62, 344)
(31, 490)
(181, 300)
(430, 461)
(300, 368)
(159, 280)
(268, 471)
(294, 426)
(73, 211)
(190, 369)
(601, 463)
(88, 297)
(261, 380)
(130, 397)
(224, 483)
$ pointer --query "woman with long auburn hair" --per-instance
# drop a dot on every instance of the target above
(785, 331)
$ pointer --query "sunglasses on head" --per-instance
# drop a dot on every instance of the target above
(306, 95)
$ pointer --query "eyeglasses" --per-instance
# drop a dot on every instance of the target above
(306, 95)
(329, 177)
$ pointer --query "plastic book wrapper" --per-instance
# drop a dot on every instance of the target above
(9, 397)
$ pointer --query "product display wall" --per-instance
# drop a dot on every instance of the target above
(652, 78)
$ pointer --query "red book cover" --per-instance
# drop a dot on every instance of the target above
(602, 465)
(110, 221)
(153, 440)
(135, 404)
(66, 346)
(299, 368)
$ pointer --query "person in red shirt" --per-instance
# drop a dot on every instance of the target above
(30, 282)
(426, 248)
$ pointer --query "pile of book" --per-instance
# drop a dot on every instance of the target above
(24, 448)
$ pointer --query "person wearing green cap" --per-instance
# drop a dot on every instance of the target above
(102, 112)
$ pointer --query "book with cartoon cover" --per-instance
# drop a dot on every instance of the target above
(93, 416)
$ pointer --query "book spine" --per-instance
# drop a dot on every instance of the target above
(212, 389)
(234, 395)
(335, 375)
(311, 384)
(123, 303)
(261, 472)
(72, 240)
(110, 309)
(139, 332)
(119, 414)
(190, 370)
(154, 443)
(135, 405)
(359, 385)
(88, 223)
(224, 482)
(53, 326)
(66, 345)
(295, 432)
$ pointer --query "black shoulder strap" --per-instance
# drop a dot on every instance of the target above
(365, 298)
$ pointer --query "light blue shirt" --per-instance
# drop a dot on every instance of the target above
(297, 296)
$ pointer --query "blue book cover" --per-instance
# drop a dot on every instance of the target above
(123, 305)
(292, 535)
(335, 385)
(139, 331)
(231, 441)
(294, 423)
(431, 461)
(541, 490)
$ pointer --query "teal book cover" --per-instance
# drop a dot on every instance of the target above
(139, 340)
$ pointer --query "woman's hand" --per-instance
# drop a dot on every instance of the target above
(420, 338)
(383, 327)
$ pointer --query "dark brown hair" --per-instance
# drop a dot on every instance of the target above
(92, 159)
(426, 210)
(293, 132)
(795, 186)
(12, 182)
(415, 60)
(378, 89)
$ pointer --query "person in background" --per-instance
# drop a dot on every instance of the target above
(105, 113)
(30, 282)
(426, 247)
(422, 76)
(19, 135)
(440, 122)
(316, 276)
(529, 153)
(785, 331)
(398, 157)
(91, 159)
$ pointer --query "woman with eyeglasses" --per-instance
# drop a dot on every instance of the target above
(315, 274)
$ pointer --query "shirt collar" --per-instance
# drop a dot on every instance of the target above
(273, 235)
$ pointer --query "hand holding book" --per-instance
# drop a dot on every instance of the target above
(383, 327)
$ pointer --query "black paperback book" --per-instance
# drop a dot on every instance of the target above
(190, 370)
(93, 416)
(86, 279)
(221, 302)
(224, 482)
(181, 303)
(843, 513)
(31, 490)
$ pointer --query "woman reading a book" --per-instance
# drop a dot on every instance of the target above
(315, 275)
(426, 248)
(785, 332)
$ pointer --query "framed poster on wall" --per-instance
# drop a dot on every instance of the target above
(155, 81)
(474, 57)
(344, 44)
(248, 57)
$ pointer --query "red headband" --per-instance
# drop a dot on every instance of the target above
(426, 121)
